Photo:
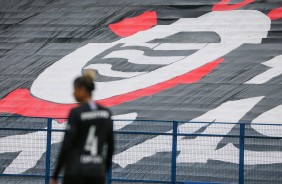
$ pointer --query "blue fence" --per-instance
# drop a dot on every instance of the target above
(150, 151)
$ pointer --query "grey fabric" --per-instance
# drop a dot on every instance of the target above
(36, 33)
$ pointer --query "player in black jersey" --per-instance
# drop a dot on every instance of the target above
(88, 145)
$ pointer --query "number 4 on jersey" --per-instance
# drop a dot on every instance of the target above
(92, 141)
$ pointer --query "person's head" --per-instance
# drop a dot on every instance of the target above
(84, 86)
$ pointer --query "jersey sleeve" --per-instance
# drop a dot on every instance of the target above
(69, 137)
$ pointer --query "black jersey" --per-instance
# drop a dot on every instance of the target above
(88, 144)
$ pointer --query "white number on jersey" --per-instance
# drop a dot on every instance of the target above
(92, 141)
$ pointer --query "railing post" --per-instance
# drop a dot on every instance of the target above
(174, 152)
(48, 151)
(109, 176)
(241, 153)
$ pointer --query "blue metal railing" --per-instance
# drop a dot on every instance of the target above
(48, 151)
(241, 136)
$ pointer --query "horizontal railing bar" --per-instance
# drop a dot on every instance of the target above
(192, 134)
(264, 124)
(139, 181)
(23, 175)
(170, 134)
(207, 135)
(58, 130)
(149, 133)
(221, 135)
(24, 129)
(142, 133)
(262, 137)
(160, 121)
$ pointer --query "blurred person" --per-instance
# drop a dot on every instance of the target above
(88, 145)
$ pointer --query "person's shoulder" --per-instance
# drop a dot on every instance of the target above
(101, 107)
(78, 109)
(82, 107)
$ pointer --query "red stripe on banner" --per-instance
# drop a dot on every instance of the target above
(23, 103)
(188, 78)
(130, 26)
(275, 14)
(224, 5)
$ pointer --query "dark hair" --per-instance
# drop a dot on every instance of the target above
(86, 81)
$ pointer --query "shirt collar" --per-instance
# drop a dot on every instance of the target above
(92, 105)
